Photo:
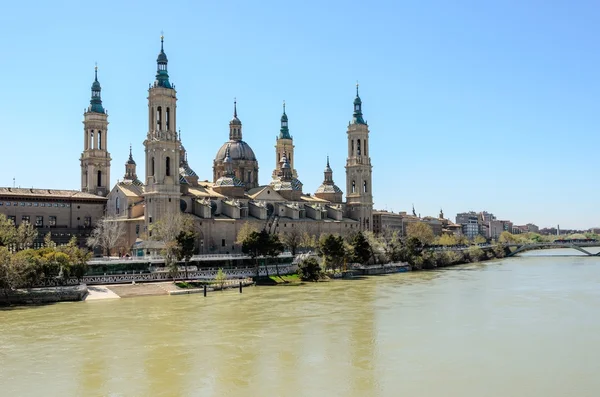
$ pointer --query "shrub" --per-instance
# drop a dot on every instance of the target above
(309, 270)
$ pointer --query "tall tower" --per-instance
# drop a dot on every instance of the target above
(95, 159)
(359, 199)
(284, 144)
(162, 147)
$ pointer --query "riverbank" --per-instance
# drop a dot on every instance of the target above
(40, 296)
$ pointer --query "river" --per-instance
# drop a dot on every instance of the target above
(525, 326)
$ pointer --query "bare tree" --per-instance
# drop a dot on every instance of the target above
(167, 230)
(109, 230)
(292, 240)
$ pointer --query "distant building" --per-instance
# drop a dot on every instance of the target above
(470, 224)
(63, 213)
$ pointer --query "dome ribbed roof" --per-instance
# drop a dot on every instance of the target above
(238, 150)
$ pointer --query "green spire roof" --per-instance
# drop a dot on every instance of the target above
(162, 76)
(284, 132)
(96, 101)
(357, 117)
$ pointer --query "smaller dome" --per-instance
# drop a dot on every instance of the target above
(162, 57)
(235, 121)
(131, 161)
(96, 86)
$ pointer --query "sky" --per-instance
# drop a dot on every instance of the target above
(471, 105)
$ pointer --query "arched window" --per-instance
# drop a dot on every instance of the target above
(358, 147)
(353, 187)
(99, 178)
(99, 139)
(167, 119)
(158, 118)
(364, 186)
(152, 166)
(117, 204)
(352, 151)
(365, 148)
(168, 166)
(91, 139)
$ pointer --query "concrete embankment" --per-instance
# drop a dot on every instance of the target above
(37, 296)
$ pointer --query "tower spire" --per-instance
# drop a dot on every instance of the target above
(284, 132)
(162, 75)
(357, 117)
(235, 125)
(96, 100)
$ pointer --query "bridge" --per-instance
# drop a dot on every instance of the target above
(522, 247)
(575, 245)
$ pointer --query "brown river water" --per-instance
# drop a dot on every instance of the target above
(527, 326)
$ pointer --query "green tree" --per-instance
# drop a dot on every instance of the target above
(9, 277)
(78, 259)
(309, 270)
(507, 238)
(273, 249)
(256, 244)
(220, 278)
(186, 245)
(447, 239)
(421, 231)
(479, 239)
(26, 234)
(475, 253)
(332, 248)
(361, 250)
(8, 232)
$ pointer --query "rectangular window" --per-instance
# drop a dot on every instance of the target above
(223, 243)
(62, 204)
(42, 204)
(29, 204)
(25, 219)
(56, 204)
(13, 219)
(87, 221)
(137, 229)
(7, 204)
(68, 205)
(39, 221)
(22, 204)
(52, 221)
(15, 204)
(1, 203)
(35, 204)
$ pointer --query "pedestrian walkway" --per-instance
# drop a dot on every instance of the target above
(97, 292)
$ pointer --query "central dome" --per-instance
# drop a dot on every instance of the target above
(238, 150)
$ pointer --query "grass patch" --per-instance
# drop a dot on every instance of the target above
(191, 284)
(278, 280)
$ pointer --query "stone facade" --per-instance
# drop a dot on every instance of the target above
(63, 213)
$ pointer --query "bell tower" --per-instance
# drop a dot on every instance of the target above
(284, 145)
(95, 159)
(359, 199)
(161, 146)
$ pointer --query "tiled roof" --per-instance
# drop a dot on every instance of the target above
(48, 193)
(328, 189)
(130, 189)
(202, 191)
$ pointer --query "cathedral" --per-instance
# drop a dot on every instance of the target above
(234, 196)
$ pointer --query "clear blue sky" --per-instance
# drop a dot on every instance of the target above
(471, 105)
